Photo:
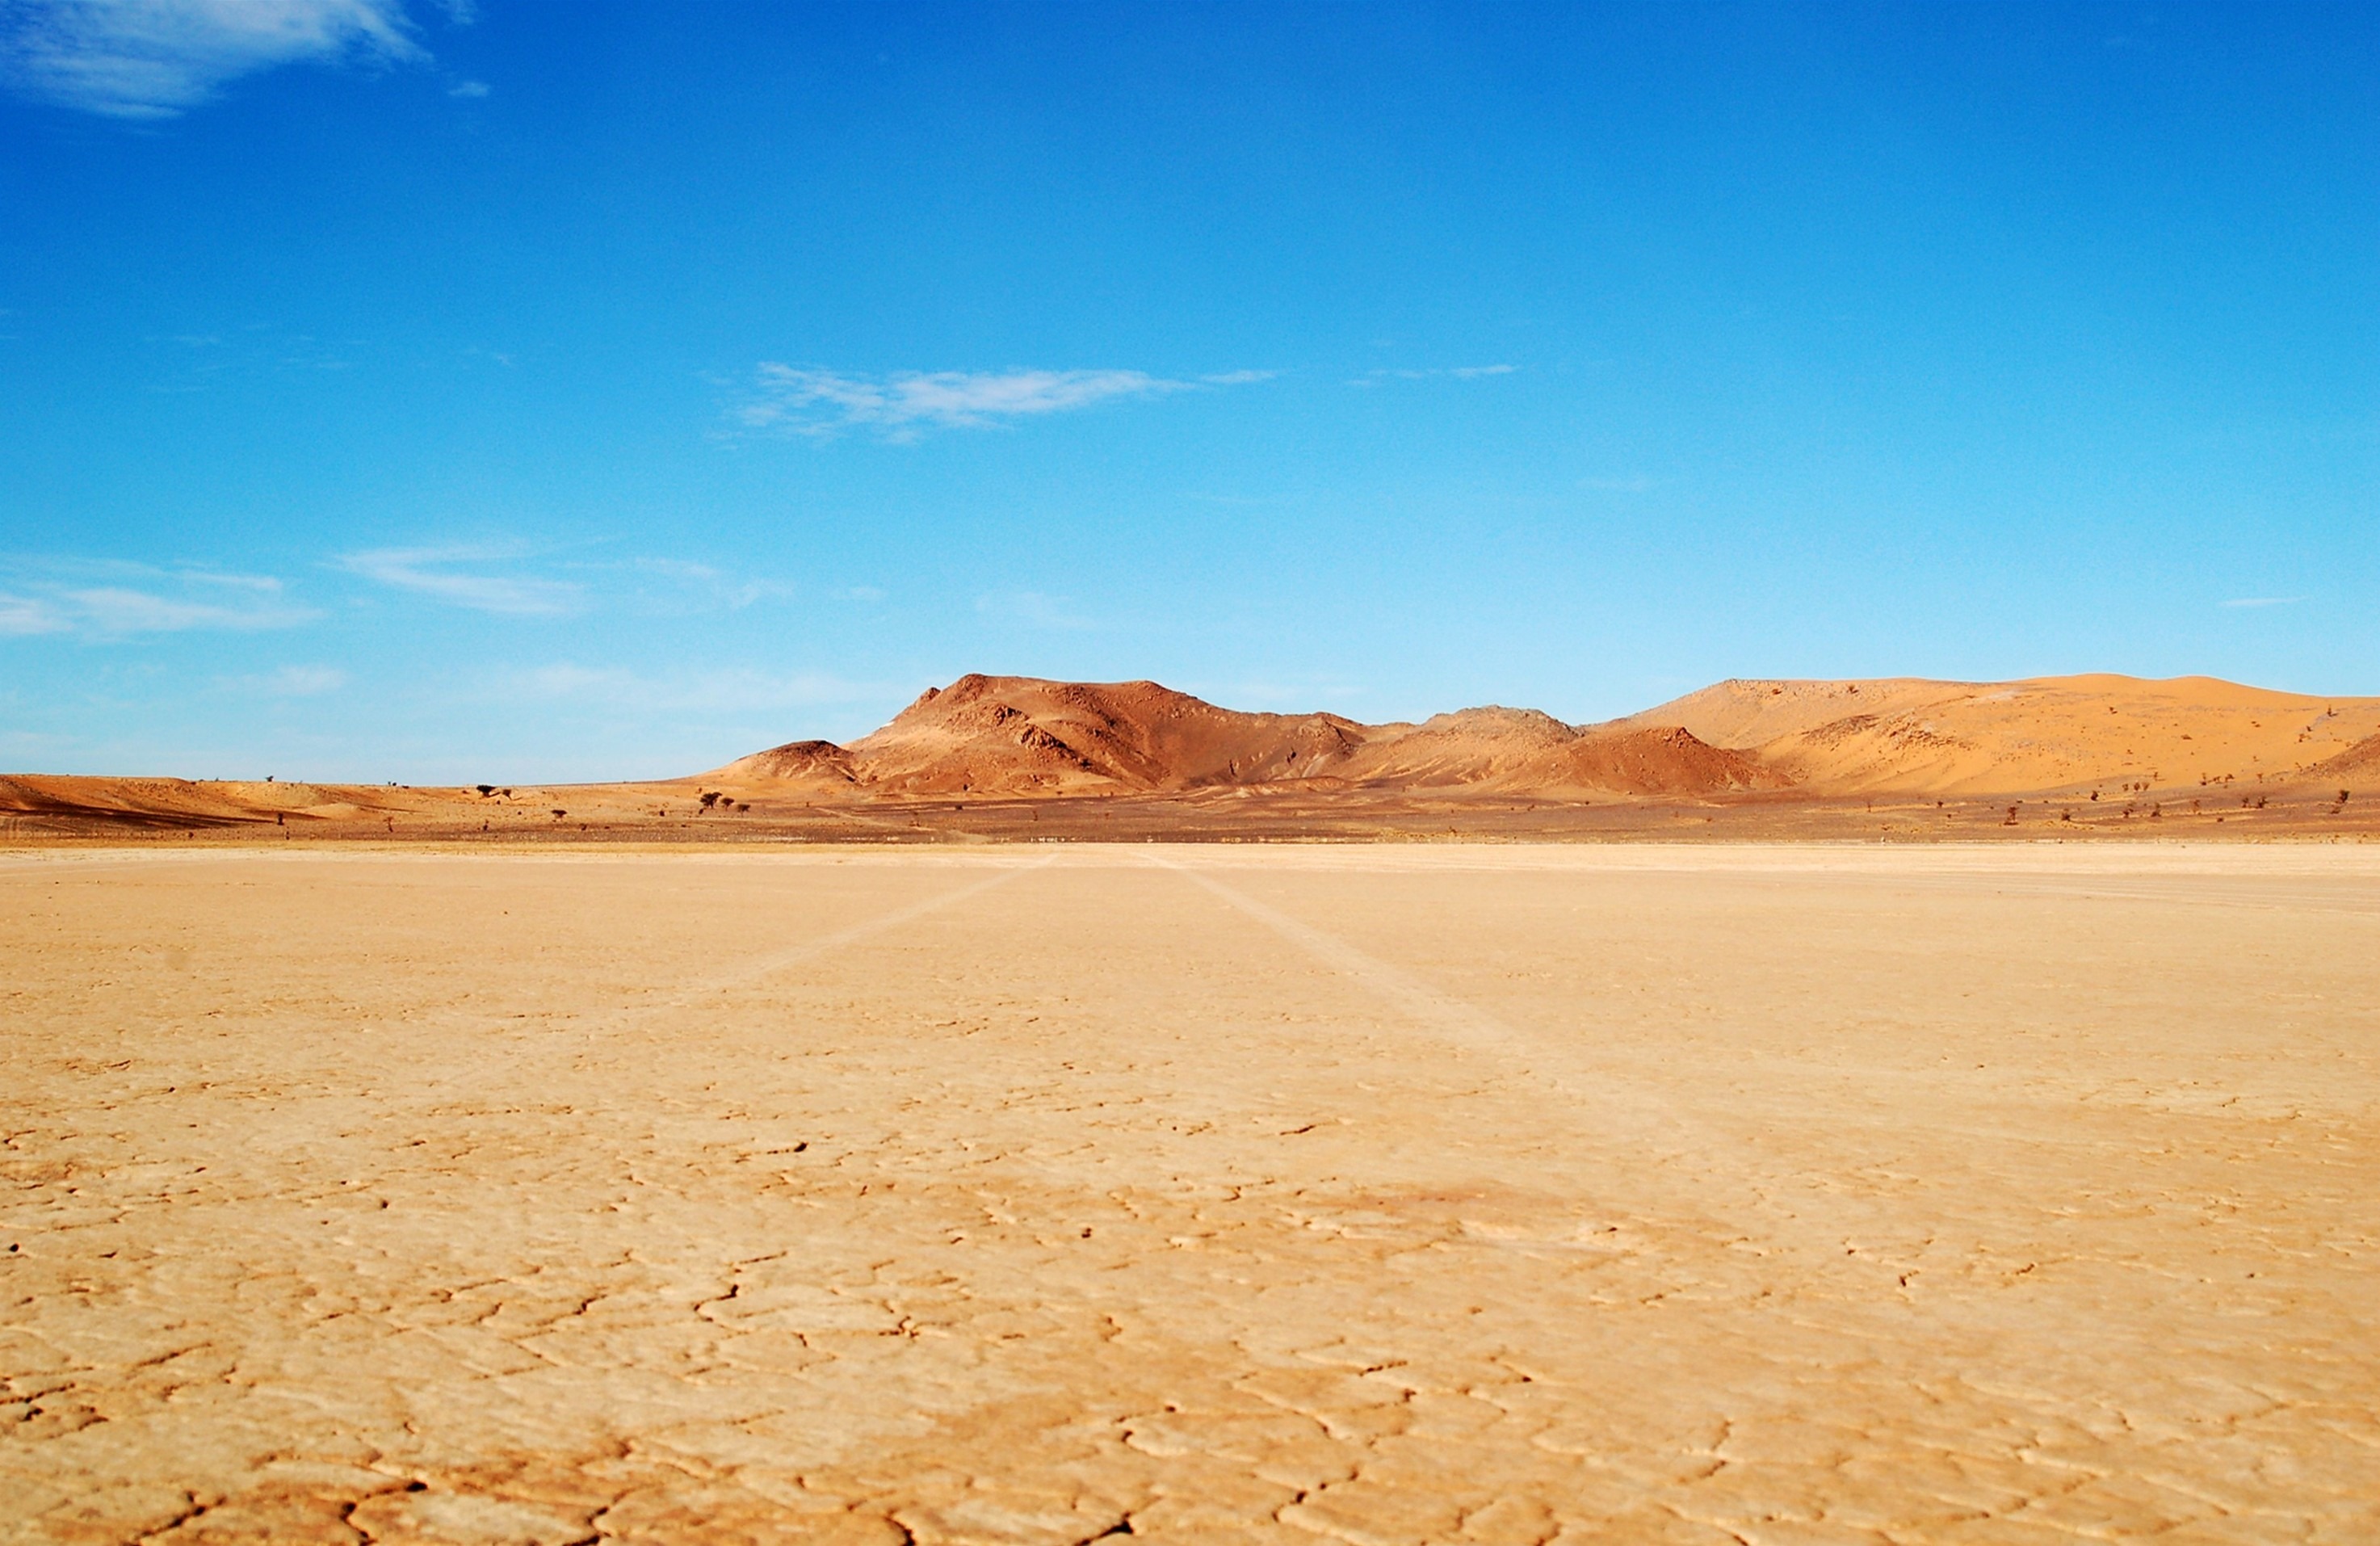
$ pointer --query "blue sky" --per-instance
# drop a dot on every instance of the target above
(400, 389)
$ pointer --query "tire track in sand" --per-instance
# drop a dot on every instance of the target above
(1803, 1210)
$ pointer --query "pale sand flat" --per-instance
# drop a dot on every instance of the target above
(1763, 1195)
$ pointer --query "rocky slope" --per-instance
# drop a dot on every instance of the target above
(1021, 735)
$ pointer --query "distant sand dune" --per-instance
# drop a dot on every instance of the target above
(2049, 734)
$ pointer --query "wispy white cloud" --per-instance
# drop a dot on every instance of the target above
(469, 91)
(21, 616)
(115, 609)
(434, 572)
(96, 599)
(786, 399)
(510, 578)
(184, 362)
(2264, 600)
(1450, 372)
(705, 584)
(156, 58)
(793, 401)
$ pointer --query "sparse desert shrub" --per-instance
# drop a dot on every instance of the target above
(560, 815)
(485, 789)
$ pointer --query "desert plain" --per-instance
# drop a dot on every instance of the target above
(1050, 1193)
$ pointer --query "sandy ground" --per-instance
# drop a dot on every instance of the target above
(1512, 1194)
(657, 815)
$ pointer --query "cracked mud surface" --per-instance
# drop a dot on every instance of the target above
(1304, 1195)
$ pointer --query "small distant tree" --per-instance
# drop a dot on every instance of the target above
(710, 798)
(485, 789)
(560, 815)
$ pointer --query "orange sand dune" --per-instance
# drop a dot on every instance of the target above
(2052, 734)
(181, 802)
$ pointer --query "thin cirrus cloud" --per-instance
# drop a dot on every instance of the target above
(787, 399)
(157, 58)
(683, 580)
(1450, 373)
(436, 573)
(117, 601)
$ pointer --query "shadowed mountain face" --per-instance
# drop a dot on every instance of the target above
(1009, 736)
(2359, 760)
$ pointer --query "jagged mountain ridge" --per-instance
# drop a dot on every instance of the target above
(1019, 735)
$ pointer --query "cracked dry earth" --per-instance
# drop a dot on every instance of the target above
(1282, 1195)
